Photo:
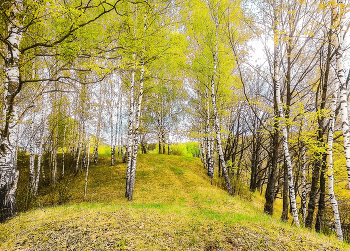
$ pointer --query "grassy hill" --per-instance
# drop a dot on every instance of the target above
(174, 208)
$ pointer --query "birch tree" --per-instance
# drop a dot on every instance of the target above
(8, 158)
(333, 199)
(337, 11)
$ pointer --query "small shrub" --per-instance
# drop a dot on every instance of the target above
(241, 189)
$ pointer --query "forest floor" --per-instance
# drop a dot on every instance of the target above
(175, 207)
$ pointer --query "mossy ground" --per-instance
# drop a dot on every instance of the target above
(175, 207)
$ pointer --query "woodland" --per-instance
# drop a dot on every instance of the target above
(255, 92)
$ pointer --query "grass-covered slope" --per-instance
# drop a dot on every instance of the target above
(174, 208)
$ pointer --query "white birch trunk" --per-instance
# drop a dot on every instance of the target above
(303, 186)
(130, 133)
(201, 150)
(78, 157)
(55, 148)
(216, 115)
(36, 184)
(287, 157)
(64, 143)
(340, 73)
(87, 169)
(112, 141)
(210, 150)
(32, 158)
(119, 128)
(333, 200)
(8, 150)
(136, 135)
(98, 132)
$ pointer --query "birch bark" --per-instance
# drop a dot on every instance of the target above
(303, 186)
(8, 150)
(120, 151)
(98, 132)
(209, 160)
(64, 144)
(216, 117)
(87, 168)
(78, 152)
(338, 44)
(288, 159)
(333, 200)
(136, 135)
(32, 157)
(130, 133)
(36, 184)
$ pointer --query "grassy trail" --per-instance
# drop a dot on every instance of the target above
(174, 208)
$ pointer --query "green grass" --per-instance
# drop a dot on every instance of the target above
(175, 207)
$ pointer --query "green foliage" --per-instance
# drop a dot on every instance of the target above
(104, 151)
(189, 149)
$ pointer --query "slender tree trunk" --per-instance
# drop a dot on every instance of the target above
(340, 73)
(211, 167)
(119, 127)
(270, 188)
(210, 150)
(333, 200)
(120, 150)
(112, 142)
(316, 169)
(130, 134)
(288, 160)
(32, 158)
(312, 195)
(36, 184)
(78, 157)
(202, 151)
(216, 116)
(54, 158)
(271, 182)
(284, 216)
(163, 140)
(87, 168)
(303, 186)
(64, 144)
(159, 133)
(321, 201)
(124, 155)
(253, 166)
(98, 130)
(136, 135)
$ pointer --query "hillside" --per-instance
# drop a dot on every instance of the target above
(174, 208)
